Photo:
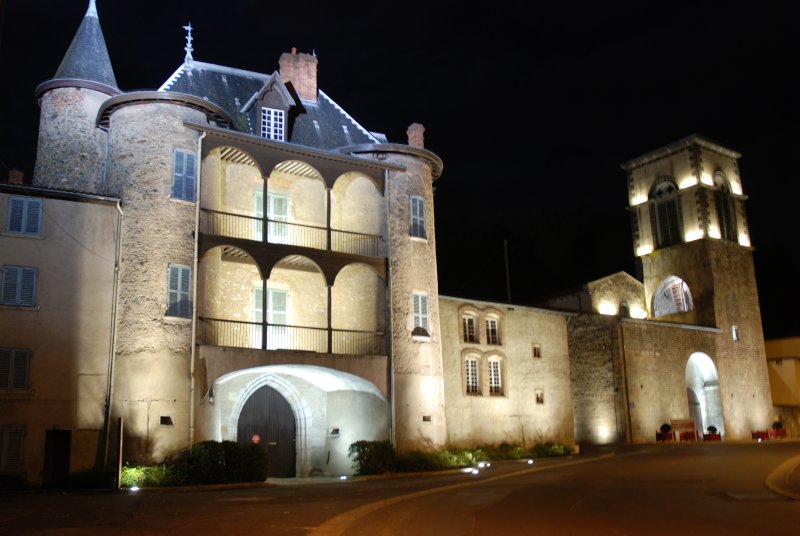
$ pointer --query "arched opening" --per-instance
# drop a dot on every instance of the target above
(296, 306)
(358, 311)
(357, 215)
(703, 396)
(267, 419)
(296, 206)
(329, 410)
(672, 296)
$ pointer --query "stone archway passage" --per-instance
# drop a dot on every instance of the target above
(702, 387)
(269, 416)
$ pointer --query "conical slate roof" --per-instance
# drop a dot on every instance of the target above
(87, 57)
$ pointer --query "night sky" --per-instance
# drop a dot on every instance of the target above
(532, 107)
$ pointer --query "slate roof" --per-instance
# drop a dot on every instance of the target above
(322, 124)
(87, 56)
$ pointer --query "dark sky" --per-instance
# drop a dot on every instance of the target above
(532, 107)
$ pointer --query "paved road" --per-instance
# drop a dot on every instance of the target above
(653, 490)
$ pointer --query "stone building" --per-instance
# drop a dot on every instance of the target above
(234, 257)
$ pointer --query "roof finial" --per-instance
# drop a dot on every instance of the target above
(188, 48)
(92, 11)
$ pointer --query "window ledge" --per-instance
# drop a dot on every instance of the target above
(181, 201)
(421, 338)
(418, 239)
(34, 236)
(16, 393)
(177, 320)
(19, 307)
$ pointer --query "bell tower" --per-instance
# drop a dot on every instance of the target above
(691, 234)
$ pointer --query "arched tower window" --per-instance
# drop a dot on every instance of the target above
(666, 213)
(726, 207)
(672, 296)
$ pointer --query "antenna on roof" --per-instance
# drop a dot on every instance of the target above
(188, 48)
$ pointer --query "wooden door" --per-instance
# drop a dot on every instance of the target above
(269, 416)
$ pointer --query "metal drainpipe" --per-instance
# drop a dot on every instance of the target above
(195, 262)
(390, 330)
(112, 342)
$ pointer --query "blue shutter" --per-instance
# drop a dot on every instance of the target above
(178, 167)
(16, 208)
(418, 217)
(190, 177)
(179, 280)
(18, 369)
(27, 291)
(10, 282)
(33, 217)
(184, 308)
(5, 368)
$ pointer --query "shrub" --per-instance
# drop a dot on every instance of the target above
(93, 479)
(777, 425)
(666, 428)
(712, 429)
(372, 457)
(208, 462)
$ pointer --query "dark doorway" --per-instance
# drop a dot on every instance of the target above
(268, 418)
(57, 447)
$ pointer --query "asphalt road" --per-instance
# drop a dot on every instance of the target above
(647, 490)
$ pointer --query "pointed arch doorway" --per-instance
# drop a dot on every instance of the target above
(268, 415)
(703, 396)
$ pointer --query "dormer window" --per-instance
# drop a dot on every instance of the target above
(273, 124)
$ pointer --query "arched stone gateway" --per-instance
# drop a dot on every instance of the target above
(702, 389)
(328, 409)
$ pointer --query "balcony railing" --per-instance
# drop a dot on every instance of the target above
(293, 234)
(238, 334)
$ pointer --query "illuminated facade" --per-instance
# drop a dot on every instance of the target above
(267, 271)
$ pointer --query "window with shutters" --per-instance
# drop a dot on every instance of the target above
(278, 215)
(537, 350)
(472, 379)
(420, 312)
(179, 282)
(418, 217)
(19, 286)
(492, 331)
(495, 377)
(468, 324)
(278, 330)
(11, 448)
(24, 215)
(539, 396)
(184, 175)
(273, 124)
(14, 363)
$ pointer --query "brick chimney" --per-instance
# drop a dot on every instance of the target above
(416, 135)
(15, 176)
(301, 70)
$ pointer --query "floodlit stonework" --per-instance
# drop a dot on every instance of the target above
(234, 257)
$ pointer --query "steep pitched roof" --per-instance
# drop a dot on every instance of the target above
(87, 56)
(322, 124)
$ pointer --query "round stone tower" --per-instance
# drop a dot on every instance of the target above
(416, 345)
(153, 160)
(71, 149)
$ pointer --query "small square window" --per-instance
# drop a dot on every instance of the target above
(537, 351)
(166, 420)
(539, 396)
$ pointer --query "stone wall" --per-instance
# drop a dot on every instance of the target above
(513, 416)
(71, 149)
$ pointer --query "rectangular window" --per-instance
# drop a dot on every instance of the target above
(492, 331)
(537, 351)
(273, 124)
(278, 215)
(470, 334)
(19, 286)
(472, 378)
(184, 175)
(539, 396)
(420, 309)
(179, 301)
(11, 449)
(418, 217)
(24, 215)
(14, 364)
(735, 333)
(278, 333)
(495, 378)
